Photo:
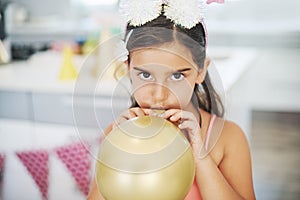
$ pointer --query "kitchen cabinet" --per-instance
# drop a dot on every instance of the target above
(87, 111)
(81, 110)
(17, 105)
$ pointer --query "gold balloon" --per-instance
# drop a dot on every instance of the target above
(145, 158)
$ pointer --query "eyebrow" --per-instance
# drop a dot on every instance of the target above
(184, 70)
(142, 70)
(180, 70)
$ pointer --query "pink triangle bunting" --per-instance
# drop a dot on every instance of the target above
(36, 163)
(1, 162)
(2, 157)
(76, 159)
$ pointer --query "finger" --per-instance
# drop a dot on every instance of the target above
(194, 135)
(192, 126)
(151, 112)
(129, 114)
(126, 115)
(176, 117)
(169, 113)
(182, 116)
(137, 112)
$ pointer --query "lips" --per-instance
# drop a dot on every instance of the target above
(159, 107)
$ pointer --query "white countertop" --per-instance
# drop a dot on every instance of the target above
(40, 73)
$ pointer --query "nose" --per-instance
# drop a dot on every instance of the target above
(160, 94)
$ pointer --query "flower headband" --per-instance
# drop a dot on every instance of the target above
(180, 12)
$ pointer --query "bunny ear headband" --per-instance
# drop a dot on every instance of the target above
(183, 13)
(180, 12)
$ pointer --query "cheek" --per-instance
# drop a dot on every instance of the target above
(182, 96)
(140, 92)
(183, 92)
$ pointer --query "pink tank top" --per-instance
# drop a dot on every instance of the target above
(194, 193)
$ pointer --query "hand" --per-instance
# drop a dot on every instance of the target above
(132, 113)
(186, 121)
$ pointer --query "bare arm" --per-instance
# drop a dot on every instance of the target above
(232, 179)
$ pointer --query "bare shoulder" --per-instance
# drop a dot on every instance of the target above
(231, 140)
(231, 131)
(233, 137)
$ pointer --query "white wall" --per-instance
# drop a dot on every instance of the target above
(255, 10)
(260, 23)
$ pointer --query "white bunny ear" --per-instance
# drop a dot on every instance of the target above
(187, 14)
(138, 12)
(121, 51)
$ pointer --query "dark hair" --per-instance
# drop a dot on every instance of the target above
(161, 31)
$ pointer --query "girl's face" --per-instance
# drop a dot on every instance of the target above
(164, 77)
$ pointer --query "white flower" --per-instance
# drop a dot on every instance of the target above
(186, 14)
(139, 12)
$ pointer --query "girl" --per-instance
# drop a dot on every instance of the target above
(168, 70)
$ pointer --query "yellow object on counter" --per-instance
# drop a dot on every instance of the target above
(68, 70)
(145, 158)
(4, 57)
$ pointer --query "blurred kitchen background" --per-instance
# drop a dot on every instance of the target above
(54, 90)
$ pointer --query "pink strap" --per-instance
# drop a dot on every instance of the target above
(211, 123)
